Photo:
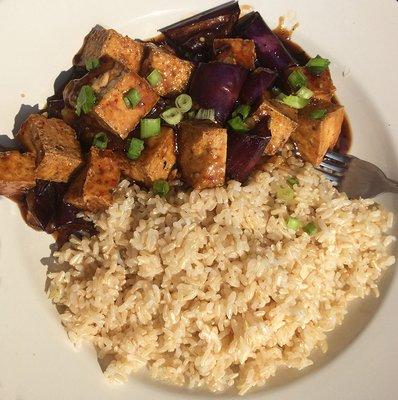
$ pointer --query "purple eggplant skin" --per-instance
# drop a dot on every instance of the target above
(243, 153)
(217, 85)
(271, 52)
(192, 38)
(256, 84)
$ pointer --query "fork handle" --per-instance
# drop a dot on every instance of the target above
(391, 186)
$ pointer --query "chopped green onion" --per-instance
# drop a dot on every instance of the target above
(297, 79)
(293, 223)
(285, 193)
(291, 181)
(310, 228)
(317, 65)
(132, 98)
(191, 114)
(149, 127)
(154, 78)
(295, 101)
(281, 96)
(92, 63)
(85, 100)
(183, 102)
(305, 93)
(100, 140)
(319, 114)
(237, 124)
(135, 148)
(172, 116)
(161, 188)
(206, 113)
(243, 110)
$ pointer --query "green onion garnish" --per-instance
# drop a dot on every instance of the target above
(317, 65)
(160, 188)
(191, 114)
(149, 127)
(297, 79)
(172, 116)
(204, 113)
(305, 93)
(237, 124)
(92, 63)
(295, 101)
(319, 114)
(100, 140)
(310, 228)
(135, 148)
(293, 223)
(183, 102)
(285, 193)
(243, 110)
(85, 100)
(132, 98)
(291, 181)
(154, 78)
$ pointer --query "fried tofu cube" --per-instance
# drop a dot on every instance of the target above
(54, 145)
(110, 110)
(282, 121)
(93, 188)
(107, 42)
(175, 72)
(315, 136)
(17, 173)
(156, 160)
(235, 51)
(321, 85)
(202, 154)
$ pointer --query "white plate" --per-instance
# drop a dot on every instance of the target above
(38, 40)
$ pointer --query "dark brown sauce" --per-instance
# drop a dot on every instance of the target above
(344, 142)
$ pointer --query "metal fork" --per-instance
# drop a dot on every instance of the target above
(355, 177)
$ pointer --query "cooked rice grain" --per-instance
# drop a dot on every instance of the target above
(210, 288)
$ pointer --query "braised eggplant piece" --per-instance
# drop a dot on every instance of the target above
(235, 51)
(193, 37)
(217, 85)
(256, 84)
(271, 52)
(243, 154)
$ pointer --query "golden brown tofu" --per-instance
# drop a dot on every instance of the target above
(107, 42)
(93, 188)
(156, 160)
(314, 137)
(111, 111)
(17, 173)
(235, 51)
(175, 72)
(322, 85)
(202, 154)
(282, 122)
(54, 145)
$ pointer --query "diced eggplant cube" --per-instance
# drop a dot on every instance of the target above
(202, 154)
(282, 122)
(93, 188)
(17, 173)
(235, 51)
(107, 42)
(156, 160)
(111, 110)
(314, 137)
(175, 73)
(54, 145)
(321, 85)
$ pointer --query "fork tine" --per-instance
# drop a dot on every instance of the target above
(334, 166)
(337, 157)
